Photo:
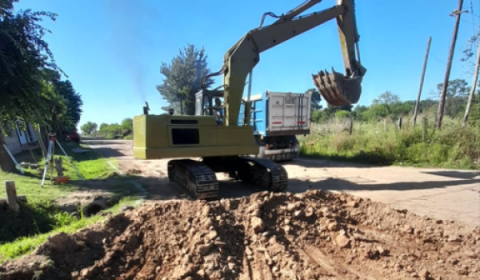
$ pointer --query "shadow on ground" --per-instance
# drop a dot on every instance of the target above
(312, 162)
(455, 174)
(103, 141)
(162, 189)
(363, 159)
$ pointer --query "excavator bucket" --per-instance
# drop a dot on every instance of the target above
(336, 89)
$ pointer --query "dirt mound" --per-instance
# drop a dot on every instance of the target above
(316, 235)
(134, 171)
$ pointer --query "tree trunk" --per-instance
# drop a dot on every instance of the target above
(6, 162)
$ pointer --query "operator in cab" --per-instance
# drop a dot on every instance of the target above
(218, 108)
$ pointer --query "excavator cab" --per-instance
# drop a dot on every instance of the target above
(205, 102)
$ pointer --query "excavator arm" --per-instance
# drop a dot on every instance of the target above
(241, 58)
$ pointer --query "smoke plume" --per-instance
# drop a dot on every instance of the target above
(129, 38)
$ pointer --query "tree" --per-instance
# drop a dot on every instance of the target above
(89, 128)
(73, 104)
(182, 79)
(103, 126)
(384, 104)
(387, 98)
(315, 99)
(456, 98)
(127, 126)
(23, 54)
(358, 112)
(342, 114)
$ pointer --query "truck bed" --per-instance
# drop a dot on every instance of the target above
(280, 113)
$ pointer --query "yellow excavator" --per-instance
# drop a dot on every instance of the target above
(228, 147)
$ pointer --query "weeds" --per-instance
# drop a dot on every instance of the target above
(453, 146)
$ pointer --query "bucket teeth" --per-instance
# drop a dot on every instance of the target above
(336, 89)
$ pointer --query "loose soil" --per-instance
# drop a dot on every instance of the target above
(312, 235)
(437, 193)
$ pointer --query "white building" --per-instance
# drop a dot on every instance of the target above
(21, 139)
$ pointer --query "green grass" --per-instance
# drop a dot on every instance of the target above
(90, 164)
(26, 245)
(22, 232)
(453, 146)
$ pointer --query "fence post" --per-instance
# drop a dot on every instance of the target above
(350, 127)
(11, 196)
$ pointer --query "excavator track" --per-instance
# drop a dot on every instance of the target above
(198, 179)
(194, 177)
(336, 89)
(265, 173)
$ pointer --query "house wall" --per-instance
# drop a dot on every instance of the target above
(19, 138)
(13, 144)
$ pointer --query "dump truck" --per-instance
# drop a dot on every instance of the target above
(276, 118)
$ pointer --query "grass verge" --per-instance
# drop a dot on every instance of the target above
(453, 146)
(28, 244)
(41, 217)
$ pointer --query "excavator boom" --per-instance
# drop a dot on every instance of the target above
(336, 89)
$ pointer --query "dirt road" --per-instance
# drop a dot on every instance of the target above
(440, 194)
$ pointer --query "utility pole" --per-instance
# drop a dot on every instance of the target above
(441, 104)
(472, 90)
(421, 81)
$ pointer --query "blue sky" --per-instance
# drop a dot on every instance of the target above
(112, 49)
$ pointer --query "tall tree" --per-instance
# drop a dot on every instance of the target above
(89, 128)
(127, 126)
(73, 103)
(456, 96)
(183, 77)
(23, 53)
(387, 98)
(316, 99)
(384, 104)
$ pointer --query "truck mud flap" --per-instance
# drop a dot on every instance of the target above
(336, 89)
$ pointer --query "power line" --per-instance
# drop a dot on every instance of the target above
(442, 61)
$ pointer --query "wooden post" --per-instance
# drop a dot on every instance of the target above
(441, 104)
(52, 162)
(350, 126)
(417, 104)
(472, 90)
(11, 196)
(59, 166)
